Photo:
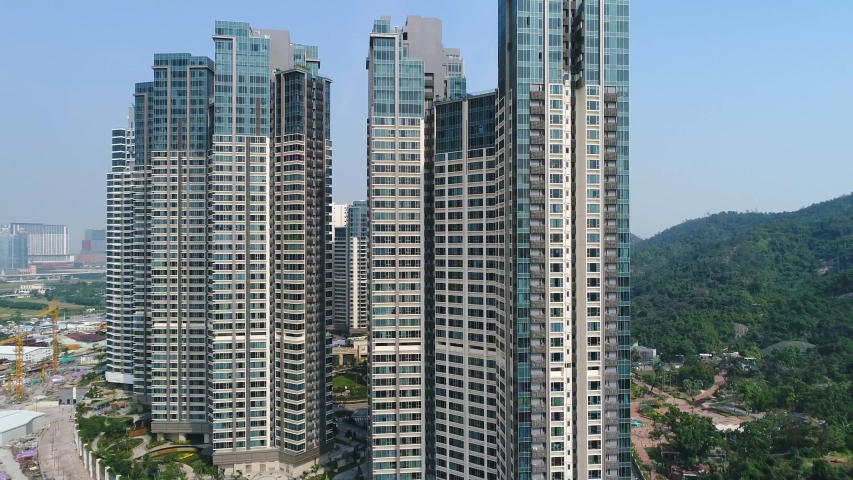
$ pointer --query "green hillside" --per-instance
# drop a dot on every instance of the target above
(785, 276)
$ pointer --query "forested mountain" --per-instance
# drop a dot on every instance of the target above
(785, 276)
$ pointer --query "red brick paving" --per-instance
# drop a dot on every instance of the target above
(640, 435)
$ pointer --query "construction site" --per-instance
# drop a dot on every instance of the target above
(40, 369)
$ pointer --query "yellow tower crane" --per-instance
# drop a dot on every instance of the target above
(53, 311)
(18, 376)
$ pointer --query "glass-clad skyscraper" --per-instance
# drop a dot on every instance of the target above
(562, 143)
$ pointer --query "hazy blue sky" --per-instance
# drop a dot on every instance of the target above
(735, 104)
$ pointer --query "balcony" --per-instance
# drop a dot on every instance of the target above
(608, 97)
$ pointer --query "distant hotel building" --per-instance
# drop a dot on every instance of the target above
(94, 242)
(225, 190)
(46, 244)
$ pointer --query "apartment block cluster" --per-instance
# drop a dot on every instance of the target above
(489, 264)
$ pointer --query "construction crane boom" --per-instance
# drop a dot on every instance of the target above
(16, 377)
(53, 311)
(19, 366)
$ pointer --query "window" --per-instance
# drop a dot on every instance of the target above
(592, 164)
(557, 401)
(593, 237)
(593, 327)
(593, 178)
(590, 120)
(592, 223)
(593, 134)
(592, 89)
(593, 149)
(556, 208)
(593, 208)
(558, 119)
(591, 193)
(592, 105)
(593, 267)
(556, 104)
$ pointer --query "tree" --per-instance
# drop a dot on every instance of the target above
(822, 470)
(691, 436)
(358, 474)
(173, 471)
(17, 317)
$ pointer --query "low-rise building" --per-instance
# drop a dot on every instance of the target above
(31, 354)
(15, 424)
(71, 395)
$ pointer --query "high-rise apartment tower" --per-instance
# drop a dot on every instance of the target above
(349, 225)
(120, 257)
(524, 313)
(562, 155)
(407, 68)
(231, 251)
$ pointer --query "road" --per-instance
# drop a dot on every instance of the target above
(57, 454)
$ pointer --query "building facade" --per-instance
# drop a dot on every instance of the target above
(469, 287)
(522, 312)
(13, 250)
(408, 68)
(228, 200)
(302, 264)
(45, 243)
(120, 256)
(95, 241)
(349, 224)
(564, 356)
(172, 146)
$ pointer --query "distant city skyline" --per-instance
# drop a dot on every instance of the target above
(713, 127)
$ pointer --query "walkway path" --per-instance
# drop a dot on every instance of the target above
(718, 381)
(57, 452)
(640, 435)
(142, 448)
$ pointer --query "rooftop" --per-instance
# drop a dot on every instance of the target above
(10, 349)
(11, 419)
